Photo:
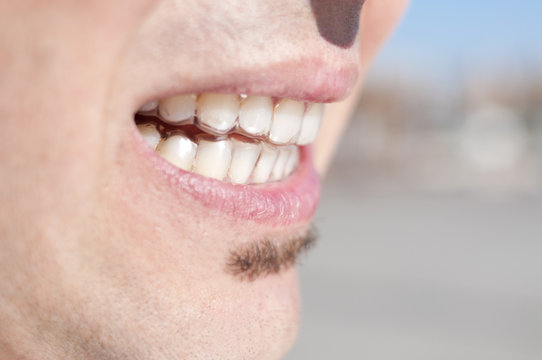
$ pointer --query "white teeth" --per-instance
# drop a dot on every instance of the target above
(218, 112)
(265, 164)
(213, 158)
(286, 121)
(278, 168)
(238, 138)
(255, 115)
(292, 162)
(178, 150)
(244, 157)
(236, 160)
(150, 134)
(148, 107)
(311, 124)
(176, 109)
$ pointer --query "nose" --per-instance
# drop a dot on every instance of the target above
(337, 20)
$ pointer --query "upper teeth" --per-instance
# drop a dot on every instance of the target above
(175, 109)
(274, 126)
(217, 112)
(285, 122)
(255, 115)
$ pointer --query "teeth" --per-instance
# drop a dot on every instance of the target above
(255, 115)
(148, 107)
(176, 109)
(265, 163)
(311, 124)
(239, 161)
(235, 138)
(286, 121)
(218, 112)
(213, 158)
(150, 134)
(278, 169)
(244, 157)
(292, 161)
(178, 150)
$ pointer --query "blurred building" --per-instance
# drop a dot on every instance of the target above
(480, 131)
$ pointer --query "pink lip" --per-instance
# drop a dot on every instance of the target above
(292, 200)
(307, 80)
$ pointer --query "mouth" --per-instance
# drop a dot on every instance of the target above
(246, 155)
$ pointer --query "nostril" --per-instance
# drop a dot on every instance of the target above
(337, 20)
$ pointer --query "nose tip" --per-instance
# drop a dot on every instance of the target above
(337, 20)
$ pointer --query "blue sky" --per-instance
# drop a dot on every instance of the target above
(446, 31)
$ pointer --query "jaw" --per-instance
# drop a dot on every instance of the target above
(162, 257)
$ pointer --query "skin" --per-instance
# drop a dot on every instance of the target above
(97, 259)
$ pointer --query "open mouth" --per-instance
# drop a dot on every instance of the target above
(244, 159)
(237, 139)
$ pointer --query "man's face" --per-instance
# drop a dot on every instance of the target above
(107, 250)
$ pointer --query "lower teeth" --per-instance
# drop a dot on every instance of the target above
(232, 159)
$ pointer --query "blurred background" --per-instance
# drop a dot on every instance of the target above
(431, 216)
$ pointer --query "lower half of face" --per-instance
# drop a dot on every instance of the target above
(157, 171)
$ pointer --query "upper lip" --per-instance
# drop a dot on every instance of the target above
(310, 80)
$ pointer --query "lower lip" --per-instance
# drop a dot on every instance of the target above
(289, 201)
